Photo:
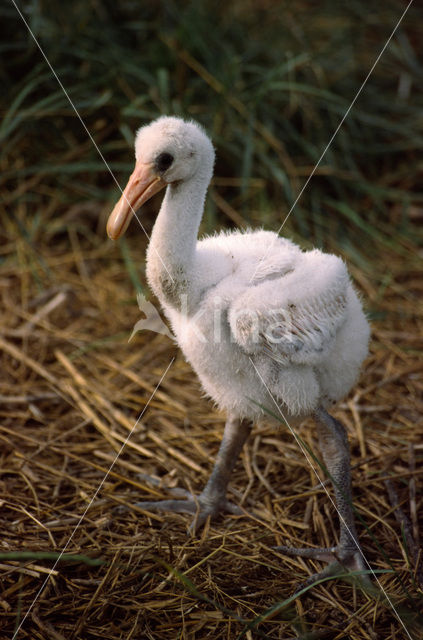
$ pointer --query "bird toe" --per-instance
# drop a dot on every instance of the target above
(340, 561)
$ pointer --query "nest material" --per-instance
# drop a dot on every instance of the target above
(73, 390)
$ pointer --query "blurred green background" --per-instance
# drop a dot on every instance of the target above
(269, 80)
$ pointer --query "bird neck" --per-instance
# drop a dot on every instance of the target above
(171, 252)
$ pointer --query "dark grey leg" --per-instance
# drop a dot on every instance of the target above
(234, 436)
(333, 443)
(212, 499)
(347, 553)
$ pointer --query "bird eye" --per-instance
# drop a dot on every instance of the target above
(163, 161)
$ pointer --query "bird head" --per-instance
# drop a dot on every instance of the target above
(167, 151)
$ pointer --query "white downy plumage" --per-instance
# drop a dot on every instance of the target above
(239, 298)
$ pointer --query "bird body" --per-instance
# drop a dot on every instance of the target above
(261, 321)
(246, 304)
(268, 309)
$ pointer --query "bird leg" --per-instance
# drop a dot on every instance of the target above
(212, 499)
(347, 553)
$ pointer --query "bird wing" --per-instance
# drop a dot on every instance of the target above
(293, 318)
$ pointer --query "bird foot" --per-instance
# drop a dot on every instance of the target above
(197, 506)
(207, 504)
(340, 561)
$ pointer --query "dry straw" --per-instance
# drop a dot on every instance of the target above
(71, 390)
